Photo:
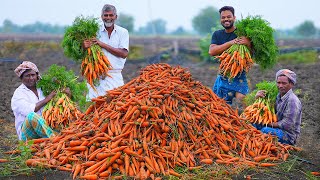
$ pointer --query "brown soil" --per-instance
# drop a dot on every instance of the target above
(307, 88)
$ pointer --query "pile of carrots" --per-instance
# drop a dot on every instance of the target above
(235, 60)
(60, 111)
(158, 121)
(95, 65)
(260, 112)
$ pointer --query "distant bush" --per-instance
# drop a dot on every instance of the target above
(298, 57)
(136, 52)
(35, 28)
(12, 48)
(204, 45)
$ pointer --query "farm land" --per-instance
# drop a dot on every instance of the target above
(46, 50)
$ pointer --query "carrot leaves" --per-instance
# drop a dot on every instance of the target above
(269, 87)
(58, 78)
(81, 29)
(260, 33)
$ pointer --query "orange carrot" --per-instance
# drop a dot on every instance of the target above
(149, 162)
(172, 172)
(106, 173)
(95, 166)
(57, 151)
(194, 167)
(75, 143)
(4, 160)
(62, 168)
(315, 173)
(40, 140)
(104, 155)
(285, 156)
(89, 177)
(260, 158)
(130, 152)
(126, 163)
(109, 162)
(156, 96)
(206, 161)
(47, 153)
(161, 166)
(88, 163)
(76, 148)
(12, 152)
(223, 146)
(93, 154)
(76, 171)
(267, 164)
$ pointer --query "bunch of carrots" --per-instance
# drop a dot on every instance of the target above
(260, 112)
(235, 60)
(158, 121)
(94, 65)
(60, 111)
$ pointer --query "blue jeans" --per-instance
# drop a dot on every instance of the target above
(282, 136)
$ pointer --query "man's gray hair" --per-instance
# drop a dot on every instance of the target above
(109, 7)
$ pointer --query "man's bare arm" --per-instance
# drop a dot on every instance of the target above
(215, 49)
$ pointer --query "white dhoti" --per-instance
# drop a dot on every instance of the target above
(109, 83)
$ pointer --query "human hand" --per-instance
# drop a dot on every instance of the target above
(261, 94)
(96, 41)
(86, 44)
(243, 40)
(234, 41)
(67, 91)
(51, 95)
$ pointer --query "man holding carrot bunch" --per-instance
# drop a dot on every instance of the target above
(222, 40)
(114, 41)
(288, 109)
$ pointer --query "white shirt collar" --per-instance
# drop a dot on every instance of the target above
(103, 28)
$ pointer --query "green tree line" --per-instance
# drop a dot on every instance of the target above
(37, 27)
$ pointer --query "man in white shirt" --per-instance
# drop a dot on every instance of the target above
(114, 41)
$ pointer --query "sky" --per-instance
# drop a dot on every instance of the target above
(282, 14)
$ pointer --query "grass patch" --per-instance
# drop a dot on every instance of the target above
(299, 57)
(310, 176)
(11, 140)
(136, 52)
(289, 165)
(16, 165)
(9, 132)
(214, 171)
(12, 48)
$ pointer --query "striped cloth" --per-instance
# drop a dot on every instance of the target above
(35, 127)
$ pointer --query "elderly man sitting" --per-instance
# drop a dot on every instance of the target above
(288, 109)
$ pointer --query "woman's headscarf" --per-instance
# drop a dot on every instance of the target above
(25, 65)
